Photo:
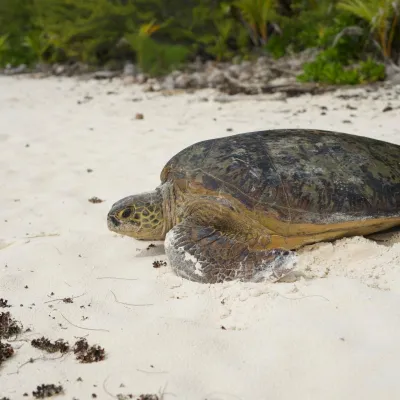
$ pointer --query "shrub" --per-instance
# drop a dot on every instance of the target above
(329, 68)
(162, 34)
(257, 14)
(87, 31)
(157, 58)
(381, 15)
(15, 24)
(314, 27)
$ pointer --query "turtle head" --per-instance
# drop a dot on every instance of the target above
(139, 216)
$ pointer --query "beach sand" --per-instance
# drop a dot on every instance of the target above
(330, 332)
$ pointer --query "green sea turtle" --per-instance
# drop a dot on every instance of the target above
(237, 207)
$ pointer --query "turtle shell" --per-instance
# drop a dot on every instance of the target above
(301, 175)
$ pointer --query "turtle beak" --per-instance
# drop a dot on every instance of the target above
(112, 222)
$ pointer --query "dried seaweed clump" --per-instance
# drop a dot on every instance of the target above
(83, 352)
(95, 200)
(43, 391)
(88, 354)
(141, 397)
(46, 345)
(4, 303)
(8, 326)
(159, 263)
(6, 351)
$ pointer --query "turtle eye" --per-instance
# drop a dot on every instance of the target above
(126, 213)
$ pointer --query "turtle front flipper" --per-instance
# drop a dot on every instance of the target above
(204, 254)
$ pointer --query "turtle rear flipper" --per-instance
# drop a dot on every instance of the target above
(204, 254)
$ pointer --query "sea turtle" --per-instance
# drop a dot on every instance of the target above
(237, 207)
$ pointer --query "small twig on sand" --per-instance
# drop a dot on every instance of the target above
(210, 396)
(40, 235)
(122, 279)
(160, 395)
(32, 360)
(87, 329)
(303, 297)
(105, 389)
(27, 340)
(151, 372)
(128, 304)
(63, 299)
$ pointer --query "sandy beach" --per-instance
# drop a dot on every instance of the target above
(330, 331)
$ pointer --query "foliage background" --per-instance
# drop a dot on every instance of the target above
(355, 37)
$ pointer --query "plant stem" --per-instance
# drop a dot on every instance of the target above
(391, 34)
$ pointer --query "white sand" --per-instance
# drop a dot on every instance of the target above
(333, 333)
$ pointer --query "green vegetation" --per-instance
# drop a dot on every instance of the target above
(328, 68)
(355, 38)
(381, 15)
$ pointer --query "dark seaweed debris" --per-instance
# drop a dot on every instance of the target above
(46, 345)
(68, 300)
(43, 391)
(141, 397)
(6, 351)
(8, 326)
(159, 263)
(83, 352)
(4, 303)
(95, 200)
(88, 354)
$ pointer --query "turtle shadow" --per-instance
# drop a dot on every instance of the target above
(153, 249)
(386, 238)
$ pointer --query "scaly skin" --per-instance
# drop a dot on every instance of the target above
(139, 216)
